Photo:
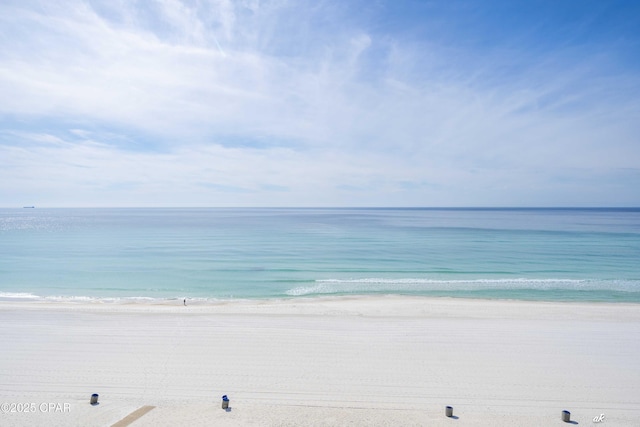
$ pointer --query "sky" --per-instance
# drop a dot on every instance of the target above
(319, 103)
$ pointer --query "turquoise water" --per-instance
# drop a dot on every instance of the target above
(210, 254)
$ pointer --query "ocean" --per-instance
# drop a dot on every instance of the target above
(138, 255)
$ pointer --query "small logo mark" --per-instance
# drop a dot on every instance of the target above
(598, 418)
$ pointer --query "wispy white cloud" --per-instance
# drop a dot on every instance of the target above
(255, 103)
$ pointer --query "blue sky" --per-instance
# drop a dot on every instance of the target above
(319, 103)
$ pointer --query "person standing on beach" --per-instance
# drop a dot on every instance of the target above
(185, 302)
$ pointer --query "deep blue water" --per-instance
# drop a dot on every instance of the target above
(111, 254)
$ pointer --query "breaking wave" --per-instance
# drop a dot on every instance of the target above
(426, 286)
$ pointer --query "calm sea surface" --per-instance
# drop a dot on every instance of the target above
(210, 254)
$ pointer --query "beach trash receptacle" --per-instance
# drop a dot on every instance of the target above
(94, 399)
(449, 411)
(566, 416)
(225, 402)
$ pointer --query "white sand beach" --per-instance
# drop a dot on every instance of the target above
(357, 361)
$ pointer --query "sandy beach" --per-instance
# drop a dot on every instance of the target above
(357, 361)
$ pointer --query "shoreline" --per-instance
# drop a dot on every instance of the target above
(392, 305)
(9, 297)
(353, 360)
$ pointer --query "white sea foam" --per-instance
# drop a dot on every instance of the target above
(17, 296)
(365, 285)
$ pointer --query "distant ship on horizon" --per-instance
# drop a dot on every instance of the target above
(28, 207)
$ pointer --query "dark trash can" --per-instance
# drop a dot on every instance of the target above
(225, 402)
